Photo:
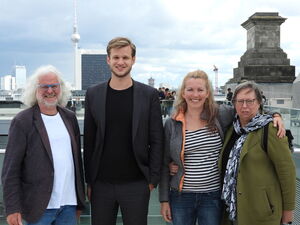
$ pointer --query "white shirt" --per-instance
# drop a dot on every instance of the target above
(63, 192)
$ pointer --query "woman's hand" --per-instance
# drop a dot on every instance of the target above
(287, 216)
(165, 211)
(278, 122)
(173, 168)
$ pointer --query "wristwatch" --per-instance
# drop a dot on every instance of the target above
(288, 223)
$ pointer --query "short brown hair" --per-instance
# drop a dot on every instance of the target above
(120, 42)
(252, 86)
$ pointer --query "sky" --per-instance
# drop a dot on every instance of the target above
(173, 37)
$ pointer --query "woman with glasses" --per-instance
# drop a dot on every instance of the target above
(259, 184)
(193, 140)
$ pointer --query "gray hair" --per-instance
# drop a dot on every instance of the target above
(251, 85)
(29, 95)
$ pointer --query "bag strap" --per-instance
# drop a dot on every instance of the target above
(265, 133)
(264, 141)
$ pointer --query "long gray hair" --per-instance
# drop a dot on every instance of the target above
(29, 95)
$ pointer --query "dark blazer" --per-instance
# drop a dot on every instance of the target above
(147, 130)
(28, 170)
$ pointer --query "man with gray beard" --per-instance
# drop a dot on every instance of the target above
(42, 172)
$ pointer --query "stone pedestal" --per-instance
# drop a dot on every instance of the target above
(264, 61)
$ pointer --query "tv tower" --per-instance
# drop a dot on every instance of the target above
(216, 79)
(75, 39)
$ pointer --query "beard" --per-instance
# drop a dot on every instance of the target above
(50, 104)
(45, 102)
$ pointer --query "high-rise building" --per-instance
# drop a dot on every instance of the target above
(8, 82)
(19, 72)
(91, 68)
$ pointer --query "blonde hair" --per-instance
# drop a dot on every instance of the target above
(120, 42)
(209, 108)
(29, 95)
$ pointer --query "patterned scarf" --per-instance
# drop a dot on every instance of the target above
(230, 178)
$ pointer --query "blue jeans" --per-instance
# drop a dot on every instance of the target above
(65, 215)
(187, 208)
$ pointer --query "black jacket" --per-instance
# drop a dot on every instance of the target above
(147, 130)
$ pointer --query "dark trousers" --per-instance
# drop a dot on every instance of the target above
(131, 197)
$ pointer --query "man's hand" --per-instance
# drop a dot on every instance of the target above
(278, 122)
(151, 187)
(173, 168)
(165, 211)
(287, 216)
(89, 192)
(78, 213)
(14, 219)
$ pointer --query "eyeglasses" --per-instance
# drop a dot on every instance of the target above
(249, 102)
(45, 87)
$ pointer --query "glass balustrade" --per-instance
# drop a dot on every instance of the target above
(291, 120)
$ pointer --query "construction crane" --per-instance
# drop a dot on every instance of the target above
(216, 79)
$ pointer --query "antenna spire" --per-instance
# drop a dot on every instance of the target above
(75, 36)
(75, 39)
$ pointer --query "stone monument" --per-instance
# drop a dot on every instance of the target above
(264, 61)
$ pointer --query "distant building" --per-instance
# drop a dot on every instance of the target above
(91, 68)
(19, 72)
(151, 82)
(8, 82)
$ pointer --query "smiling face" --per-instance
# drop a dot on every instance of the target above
(120, 61)
(48, 91)
(195, 93)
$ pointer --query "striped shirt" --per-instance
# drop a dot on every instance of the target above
(201, 153)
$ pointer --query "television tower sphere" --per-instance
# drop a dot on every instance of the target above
(75, 37)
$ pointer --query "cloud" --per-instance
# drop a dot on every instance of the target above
(173, 37)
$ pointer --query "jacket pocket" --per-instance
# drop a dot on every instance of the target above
(269, 208)
(265, 206)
